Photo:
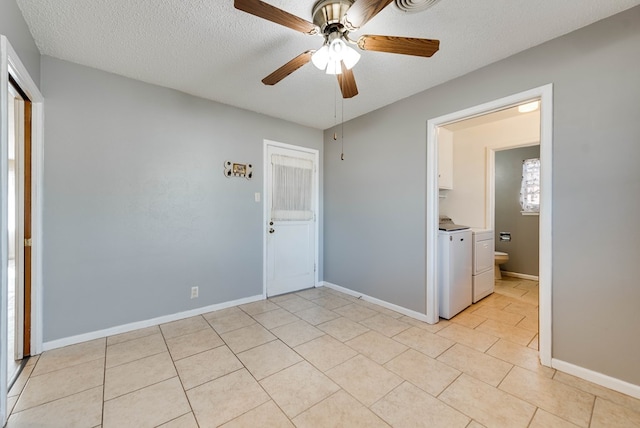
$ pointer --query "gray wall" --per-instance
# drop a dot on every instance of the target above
(375, 199)
(137, 209)
(14, 27)
(524, 246)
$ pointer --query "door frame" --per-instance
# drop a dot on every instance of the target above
(490, 200)
(20, 135)
(265, 208)
(10, 64)
(545, 94)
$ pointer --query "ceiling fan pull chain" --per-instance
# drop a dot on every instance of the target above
(335, 111)
(342, 131)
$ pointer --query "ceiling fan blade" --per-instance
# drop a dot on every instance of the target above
(273, 14)
(362, 11)
(399, 45)
(347, 83)
(288, 68)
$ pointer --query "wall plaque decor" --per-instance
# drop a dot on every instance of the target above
(233, 169)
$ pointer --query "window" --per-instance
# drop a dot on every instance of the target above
(530, 189)
(292, 197)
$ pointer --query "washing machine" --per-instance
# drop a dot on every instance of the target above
(483, 263)
(454, 270)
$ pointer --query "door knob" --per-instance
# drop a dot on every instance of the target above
(271, 230)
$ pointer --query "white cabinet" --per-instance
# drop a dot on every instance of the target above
(445, 159)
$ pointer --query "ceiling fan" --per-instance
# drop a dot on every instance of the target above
(334, 20)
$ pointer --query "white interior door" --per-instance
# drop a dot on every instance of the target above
(291, 205)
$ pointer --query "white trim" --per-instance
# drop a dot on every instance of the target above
(520, 275)
(490, 190)
(10, 64)
(546, 232)
(125, 328)
(20, 74)
(404, 311)
(545, 94)
(18, 188)
(4, 224)
(597, 378)
(265, 208)
(37, 204)
(431, 265)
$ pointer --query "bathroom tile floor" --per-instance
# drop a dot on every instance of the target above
(319, 358)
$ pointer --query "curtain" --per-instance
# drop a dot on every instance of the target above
(530, 188)
(292, 192)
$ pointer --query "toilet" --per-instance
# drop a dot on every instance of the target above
(500, 258)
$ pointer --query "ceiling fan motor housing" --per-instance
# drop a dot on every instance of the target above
(328, 15)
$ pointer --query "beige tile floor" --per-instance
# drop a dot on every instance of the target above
(319, 358)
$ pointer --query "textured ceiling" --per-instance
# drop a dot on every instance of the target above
(209, 49)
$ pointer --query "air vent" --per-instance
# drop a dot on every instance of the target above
(414, 6)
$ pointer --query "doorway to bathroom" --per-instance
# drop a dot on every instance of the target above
(513, 200)
(483, 217)
(513, 176)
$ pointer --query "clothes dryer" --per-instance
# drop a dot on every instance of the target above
(483, 263)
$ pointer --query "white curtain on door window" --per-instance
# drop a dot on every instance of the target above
(530, 189)
(292, 194)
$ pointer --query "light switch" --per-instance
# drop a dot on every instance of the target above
(257, 196)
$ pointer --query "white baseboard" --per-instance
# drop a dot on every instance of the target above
(597, 378)
(404, 311)
(520, 275)
(125, 328)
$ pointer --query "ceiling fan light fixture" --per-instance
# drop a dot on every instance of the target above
(334, 67)
(336, 49)
(321, 57)
(329, 56)
(350, 57)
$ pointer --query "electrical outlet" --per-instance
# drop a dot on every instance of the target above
(194, 292)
